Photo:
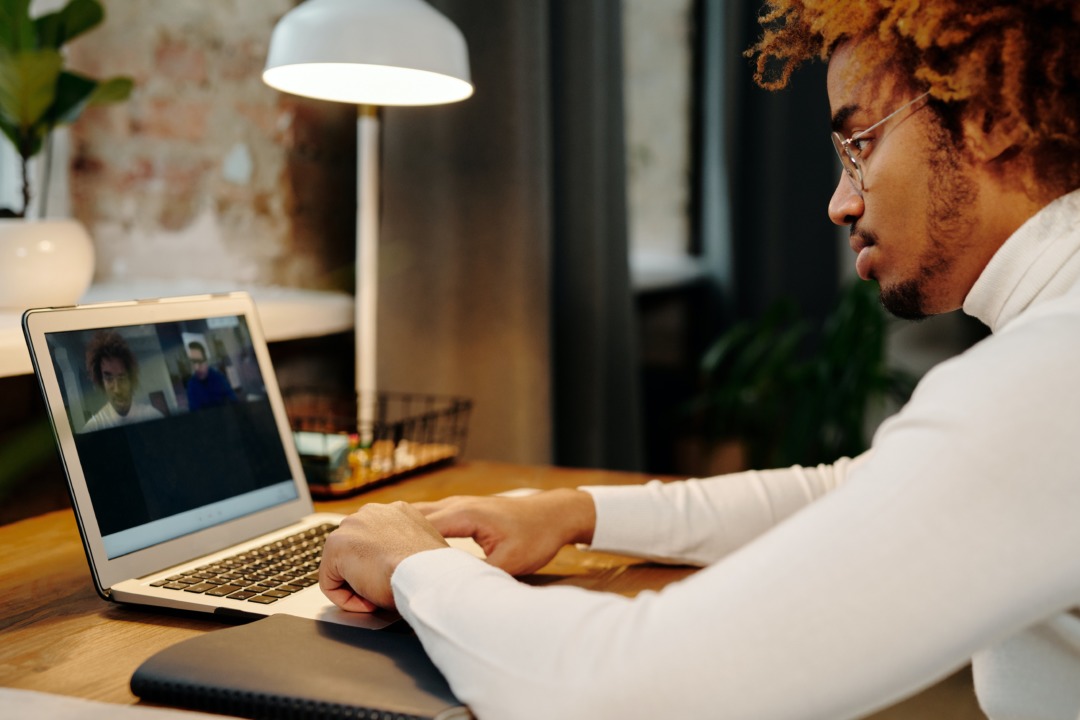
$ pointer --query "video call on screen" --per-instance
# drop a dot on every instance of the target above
(167, 417)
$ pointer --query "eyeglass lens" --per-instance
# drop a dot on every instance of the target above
(850, 165)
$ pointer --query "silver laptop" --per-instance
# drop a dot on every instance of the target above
(184, 478)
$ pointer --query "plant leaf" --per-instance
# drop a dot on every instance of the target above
(16, 28)
(793, 402)
(28, 85)
(49, 29)
(73, 93)
(115, 89)
(57, 28)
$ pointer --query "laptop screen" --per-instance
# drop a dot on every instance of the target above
(173, 426)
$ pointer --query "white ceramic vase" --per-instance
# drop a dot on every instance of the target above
(43, 263)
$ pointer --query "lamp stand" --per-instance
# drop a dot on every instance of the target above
(367, 266)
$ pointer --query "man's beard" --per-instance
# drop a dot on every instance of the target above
(906, 300)
(948, 227)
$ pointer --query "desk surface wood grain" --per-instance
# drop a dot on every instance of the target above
(57, 635)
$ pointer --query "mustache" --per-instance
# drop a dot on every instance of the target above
(866, 237)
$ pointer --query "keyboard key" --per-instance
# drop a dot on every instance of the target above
(283, 578)
(200, 588)
(242, 595)
(289, 565)
(277, 593)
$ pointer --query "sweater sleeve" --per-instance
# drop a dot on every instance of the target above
(959, 530)
(699, 521)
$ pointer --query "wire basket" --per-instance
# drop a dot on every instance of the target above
(348, 444)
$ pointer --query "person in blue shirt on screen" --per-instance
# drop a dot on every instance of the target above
(207, 387)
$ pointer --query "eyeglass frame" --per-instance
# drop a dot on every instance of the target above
(849, 160)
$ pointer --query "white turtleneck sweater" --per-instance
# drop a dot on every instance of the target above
(827, 592)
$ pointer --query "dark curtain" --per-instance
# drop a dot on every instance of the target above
(763, 171)
(595, 354)
(781, 172)
(503, 272)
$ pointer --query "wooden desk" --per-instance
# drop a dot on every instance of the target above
(57, 635)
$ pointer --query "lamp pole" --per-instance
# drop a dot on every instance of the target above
(367, 266)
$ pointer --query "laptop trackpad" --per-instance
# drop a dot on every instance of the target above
(315, 606)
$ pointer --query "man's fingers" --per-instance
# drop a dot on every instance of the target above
(453, 522)
(336, 589)
(355, 603)
(346, 599)
(360, 557)
(516, 560)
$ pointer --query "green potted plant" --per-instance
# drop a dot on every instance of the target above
(784, 404)
(44, 262)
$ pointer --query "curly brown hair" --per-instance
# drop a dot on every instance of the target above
(1009, 64)
(109, 344)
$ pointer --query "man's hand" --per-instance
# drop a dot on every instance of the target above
(361, 555)
(519, 534)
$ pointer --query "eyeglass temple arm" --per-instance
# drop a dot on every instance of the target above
(887, 118)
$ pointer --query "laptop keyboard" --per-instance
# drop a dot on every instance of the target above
(262, 575)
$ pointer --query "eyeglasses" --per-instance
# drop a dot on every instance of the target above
(850, 152)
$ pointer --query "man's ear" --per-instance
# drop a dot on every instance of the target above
(989, 138)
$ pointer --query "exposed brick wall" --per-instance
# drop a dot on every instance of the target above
(205, 171)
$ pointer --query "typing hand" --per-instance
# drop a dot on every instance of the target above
(361, 555)
(518, 534)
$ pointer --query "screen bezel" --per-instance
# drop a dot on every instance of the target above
(38, 323)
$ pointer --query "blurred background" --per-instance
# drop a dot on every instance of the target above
(618, 248)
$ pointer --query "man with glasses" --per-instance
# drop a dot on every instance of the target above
(829, 592)
(207, 386)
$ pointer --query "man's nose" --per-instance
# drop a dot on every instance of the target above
(846, 205)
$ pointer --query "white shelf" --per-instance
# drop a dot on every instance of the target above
(284, 313)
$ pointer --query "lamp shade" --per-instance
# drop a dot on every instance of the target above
(369, 52)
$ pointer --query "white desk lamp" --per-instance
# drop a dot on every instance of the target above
(369, 53)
